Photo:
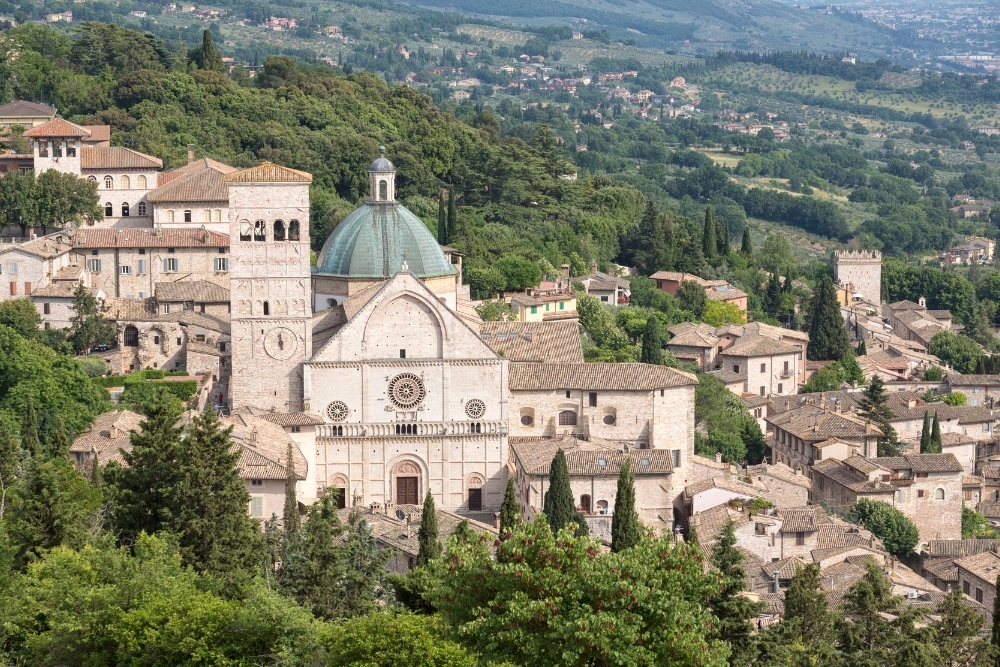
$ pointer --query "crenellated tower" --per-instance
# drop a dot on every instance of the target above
(863, 269)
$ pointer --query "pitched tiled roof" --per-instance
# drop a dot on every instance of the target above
(959, 548)
(828, 399)
(149, 238)
(694, 338)
(24, 108)
(269, 173)
(393, 533)
(540, 342)
(811, 423)
(972, 481)
(726, 376)
(841, 576)
(116, 157)
(588, 458)
(970, 414)
(985, 565)
(48, 246)
(710, 522)
(685, 327)
(989, 510)
(839, 536)
(779, 471)
(57, 127)
(733, 485)
(60, 290)
(596, 377)
(208, 185)
(200, 164)
(200, 291)
(98, 132)
(125, 310)
(282, 418)
(109, 433)
(196, 347)
(852, 479)
(803, 519)
(786, 568)
(758, 346)
(959, 380)
(725, 293)
(921, 462)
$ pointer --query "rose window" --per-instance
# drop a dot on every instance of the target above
(475, 409)
(337, 411)
(406, 391)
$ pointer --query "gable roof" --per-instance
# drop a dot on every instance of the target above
(694, 338)
(960, 548)
(540, 342)
(758, 346)
(148, 238)
(57, 127)
(985, 565)
(596, 377)
(191, 290)
(812, 423)
(732, 485)
(584, 457)
(116, 157)
(803, 519)
(204, 185)
(25, 108)
(269, 173)
(48, 246)
(920, 462)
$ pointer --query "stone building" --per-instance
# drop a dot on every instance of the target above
(862, 271)
(780, 484)
(802, 436)
(767, 366)
(914, 322)
(977, 576)
(25, 267)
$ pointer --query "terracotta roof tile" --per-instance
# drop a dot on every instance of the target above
(149, 238)
(116, 157)
(803, 519)
(959, 548)
(57, 127)
(758, 346)
(587, 458)
(48, 246)
(25, 108)
(694, 338)
(812, 423)
(539, 342)
(207, 185)
(199, 291)
(281, 418)
(269, 173)
(959, 380)
(596, 377)
(985, 565)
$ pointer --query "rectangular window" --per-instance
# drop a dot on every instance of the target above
(170, 265)
(763, 368)
(786, 366)
(901, 495)
(70, 149)
(207, 215)
(534, 310)
(822, 483)
(592, 399)
(12, 270)
(187, 216)
(166, 308)
(763, 391)
(800, 539)
(56, 149)
(125, 270)
(562, 305)
(27, 289)
(222, 347)
(178, 341)
(736, 368)
(221, 263)
(170, 216)
(94, 265)
(402, 354)
(967, 494)
(257, 507)
(256, 482)
(46, 309)
(920, 493)
(675, 457)
(142, 266)
(779, 387)
(965, 587)
(43, 149)
(979, 595)
(296, 429)
(199, 338)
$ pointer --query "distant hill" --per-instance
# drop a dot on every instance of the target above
(689, 27)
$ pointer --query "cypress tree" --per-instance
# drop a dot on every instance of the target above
(291, 520)
(995, 638)
(772, 295)
(652, 352)
(874, 406)
(29, 430)
(808, 617)
(312, 568)
(709, 243)
(427, 537)
(442, 222)
(452, 224)
(925, 434)
(205, 56)
(827, 334)
(723, 234)
(935, 446)
(734, 611)
(510, 514)
(59, 440)
(746, 248)
(463, 532)
(626, 531)
(558, 506)
(96, 478)
(10, 459)
(862, 348)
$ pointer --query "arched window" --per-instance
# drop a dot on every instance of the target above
(293, 230)
(939, 494)
(383, 190)
(206, 215)
(125, 182)
(108, 182)
(602, 506)
(141, 208)
(109, 210)
(92, 178)
(140, 182)
(125, 210)
(267, 308)
(244, 230)
(259, 231)
(585, 503)
(279, 230)
(527, 416)
(131, 337)
(567, 418)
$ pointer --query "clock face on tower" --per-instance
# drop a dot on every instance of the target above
(280, 343)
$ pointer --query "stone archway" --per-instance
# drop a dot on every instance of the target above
(406, 487)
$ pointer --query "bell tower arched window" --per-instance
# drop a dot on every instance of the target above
(244, 230)
(267, 308)
(108, 182)
(279, 230)
(383, 190)
(259, 231)
(293, 230)
(125, 182)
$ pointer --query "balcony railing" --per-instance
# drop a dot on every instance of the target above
(403, 429)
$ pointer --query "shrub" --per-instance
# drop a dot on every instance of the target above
(898, 534)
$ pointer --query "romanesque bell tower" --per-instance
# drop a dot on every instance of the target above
(269, 286)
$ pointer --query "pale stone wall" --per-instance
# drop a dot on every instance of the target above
(975, 582)
(935, 519)
(330, 292)
(864, 270)
(64, 164)
(784, 493)
(309, 488)
(275, 273)
(774, 379)
(213, 215)
(147, 267)
(118, 195)
(60, 311)
(169, 353)
(29, 268)
(272, 491)
(789, 546)
(765, 545)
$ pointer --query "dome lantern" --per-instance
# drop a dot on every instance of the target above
(382, 179)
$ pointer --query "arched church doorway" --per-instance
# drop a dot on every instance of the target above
(407, 475)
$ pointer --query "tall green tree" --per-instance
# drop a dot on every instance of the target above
(10, 462)
(428, 537)
(16, 193)
(60, 199)
(58, 441)
(364, 587)
(558, 505)
(204, 56)
(652, 348)
(88, 326)
(956, 633)
(709, 242)
(291, 519)
(935, 444)
(808, 620)
(29, 429)
(827, 334)
(925, 434)
(626, 529)
(442, 222)
(995, 634)
(734, 611)
(21, 316)
(862, 349)
(722, 235)
(746, 247)
(510, 511)
(451, 226)
(897, 532)
(314, 565)
(874, 406)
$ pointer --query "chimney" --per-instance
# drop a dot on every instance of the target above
(565, 271)
(593, 266)
(190, 153)
(798, 471)
(718, 457)
(922, 302)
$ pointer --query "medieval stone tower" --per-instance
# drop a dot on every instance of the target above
(269, 286)
(863, 270)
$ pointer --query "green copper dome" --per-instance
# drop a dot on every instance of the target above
(374, 241)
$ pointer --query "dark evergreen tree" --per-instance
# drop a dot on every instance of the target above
(10, 461)
(862, 349)
(442, 222)
(205, 56)
(463, 532)
(451, 226)
(935, 446)
(626, 530)
(558, 505)
(723, 237)
(874, 406)
(652, 349)
(806, 607)
(956, 634)
(427, 536)
(709, 242)
(365, 578)
(995, 636)
(312, 569)
(29, 429)
(510, 511)
(96, 476)
(925, 434)
(291, 519)
(827, 334)
(772, 295)
(734, 611)
(59, 440)
(746, 247)
(692, 537)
